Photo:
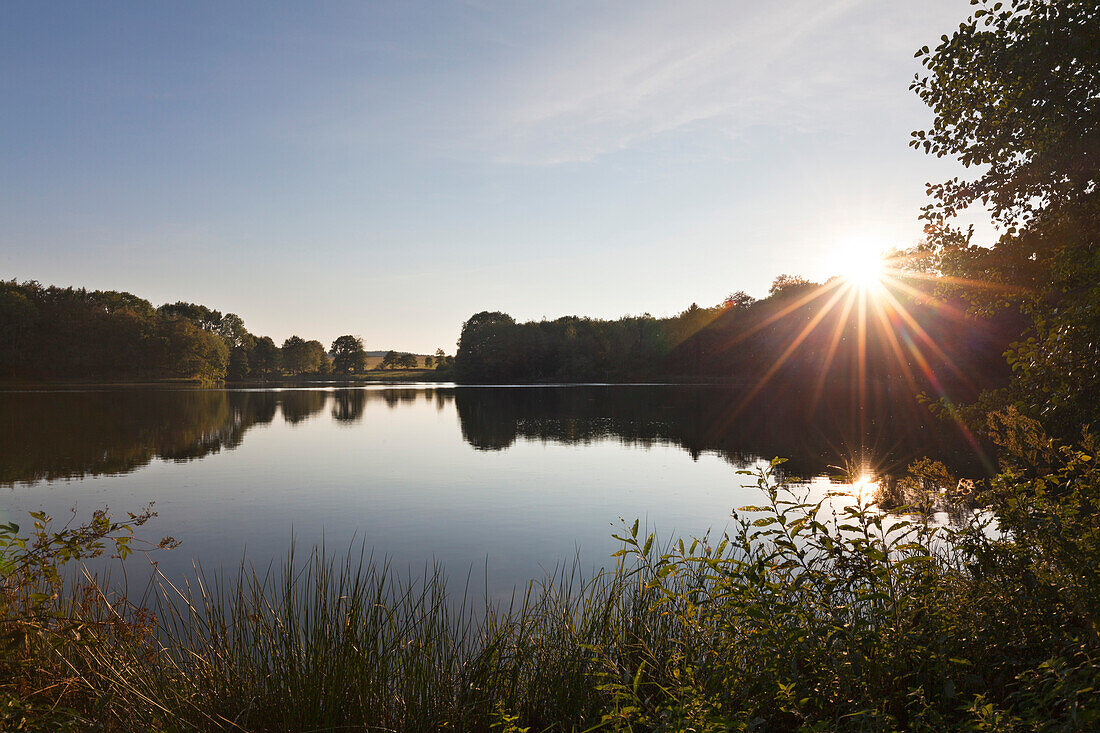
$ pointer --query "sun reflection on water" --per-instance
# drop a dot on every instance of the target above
(863, 486)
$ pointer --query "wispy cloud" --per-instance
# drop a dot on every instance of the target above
(570, 83)
(658, 69)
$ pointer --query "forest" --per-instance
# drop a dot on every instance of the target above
(748, 342)
(73, 334)
(53, 333)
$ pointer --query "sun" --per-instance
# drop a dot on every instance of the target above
(864, 272)
(861, 262)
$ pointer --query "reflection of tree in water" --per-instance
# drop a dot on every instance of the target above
(45, 436)
(395, 397)
(262, 404)
(302, 404)
(696, 418)
(348, 405)
(54, 435)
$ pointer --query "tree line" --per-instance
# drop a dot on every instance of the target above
(494, 348)
(75, 333)
(744, 341)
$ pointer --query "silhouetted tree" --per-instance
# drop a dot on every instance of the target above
(51, 332)
(348, 355)
(483, 351)
(739, 299)
(784, 285)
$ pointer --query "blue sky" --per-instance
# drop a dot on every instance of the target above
(388, 169)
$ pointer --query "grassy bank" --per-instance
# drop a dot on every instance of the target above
(809, 616)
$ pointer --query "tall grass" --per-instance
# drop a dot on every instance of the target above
(810, 615)
(344, 643)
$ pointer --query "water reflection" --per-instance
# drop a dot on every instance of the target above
(300, 405)
(348, 405)
(830, 437)
(55, 435)
(58, 435)
(63, 435)
(46, 436)
(521, 478)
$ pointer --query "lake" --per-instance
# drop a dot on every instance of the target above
(502, 483)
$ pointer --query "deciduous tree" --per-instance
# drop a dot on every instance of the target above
(1016, 95)
(264, 359)
(348, 355)
(296, 356)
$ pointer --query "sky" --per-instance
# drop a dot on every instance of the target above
(389, 169)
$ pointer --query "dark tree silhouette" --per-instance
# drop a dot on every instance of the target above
(348, 356)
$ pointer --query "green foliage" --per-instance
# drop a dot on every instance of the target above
(47, 626)
(1016, 94)
(294, 358)
(1056, 369)
(1014, 90)
(816, 615)
(193, 353)
(238, 368)
(265, 359)
(299, 356)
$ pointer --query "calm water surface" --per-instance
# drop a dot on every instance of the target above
(508, 482)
